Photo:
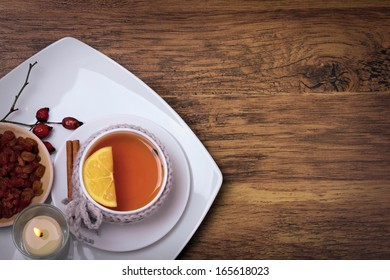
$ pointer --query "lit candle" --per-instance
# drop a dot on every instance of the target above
(42, 236)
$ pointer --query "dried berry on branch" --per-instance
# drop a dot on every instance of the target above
(41, 127)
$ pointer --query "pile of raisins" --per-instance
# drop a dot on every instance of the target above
(20, 173)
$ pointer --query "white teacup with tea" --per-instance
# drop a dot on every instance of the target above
(129, 182)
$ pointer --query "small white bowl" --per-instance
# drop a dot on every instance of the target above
(47, 179)
(140, 134)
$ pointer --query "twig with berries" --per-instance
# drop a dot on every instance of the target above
(41, 128)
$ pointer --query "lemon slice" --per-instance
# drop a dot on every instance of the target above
(98, 176)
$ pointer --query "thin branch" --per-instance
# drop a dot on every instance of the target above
(12, 109)
(25, 124)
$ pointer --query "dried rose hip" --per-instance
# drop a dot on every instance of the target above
(71, 123)
(42, 130)
(42, 114)
(49, 146)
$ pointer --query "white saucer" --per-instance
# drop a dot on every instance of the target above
(120, 238)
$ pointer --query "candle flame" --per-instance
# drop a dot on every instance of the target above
(38, 232)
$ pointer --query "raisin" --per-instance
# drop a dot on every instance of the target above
(4, 158)
(37, 187)
(27, 156)
(7, 136)
(40, 171)
(27, 169)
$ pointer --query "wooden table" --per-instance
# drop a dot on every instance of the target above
(291, 98)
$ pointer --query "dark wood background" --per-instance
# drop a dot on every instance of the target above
(291, 98)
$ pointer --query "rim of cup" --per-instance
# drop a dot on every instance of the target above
(161, 155)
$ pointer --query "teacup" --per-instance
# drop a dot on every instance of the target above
(140, 169)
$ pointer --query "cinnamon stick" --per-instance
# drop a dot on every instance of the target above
(69, 167)
(76, 146)
(72, 148)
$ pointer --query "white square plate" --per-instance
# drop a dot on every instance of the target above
(73, 79)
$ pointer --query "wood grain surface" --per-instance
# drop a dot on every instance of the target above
(291, 98)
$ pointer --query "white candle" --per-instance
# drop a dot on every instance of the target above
(42, 236)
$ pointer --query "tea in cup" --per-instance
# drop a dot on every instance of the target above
(138, 172)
